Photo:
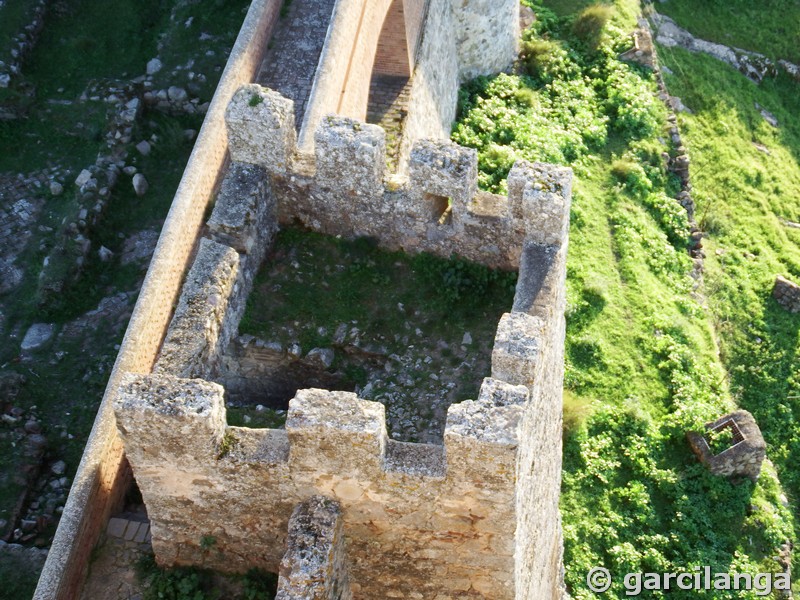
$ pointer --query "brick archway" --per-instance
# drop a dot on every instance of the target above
(392, 56)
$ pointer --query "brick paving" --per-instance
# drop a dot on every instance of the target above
(291, 61)
(388, 101)
(112, 574)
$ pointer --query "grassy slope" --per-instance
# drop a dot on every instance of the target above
(642, 364)
(769, 26)
(744, 195)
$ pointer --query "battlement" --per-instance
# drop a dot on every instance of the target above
(436, 208)
(465, 506)
(453, 505)
(473, 517)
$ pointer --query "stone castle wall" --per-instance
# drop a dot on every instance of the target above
(487, 34)
(787, 294)
(447, 42)
(434, 88)
(436, 209)
(315, 564)
(474, 510)
(475, 517)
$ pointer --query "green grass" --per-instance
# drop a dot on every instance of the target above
(94, 39)
(313, 282)
(768, 27)
(220, 19)
(641, 354)
(744, 196)
(184, 583)
(19, 580)
(14, 15)
(83, 41)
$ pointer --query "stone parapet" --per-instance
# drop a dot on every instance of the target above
(261, 128)
(437, 208)
(197, 334)
(315, 564)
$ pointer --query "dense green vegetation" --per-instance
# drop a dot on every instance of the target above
(318, 282)
(747, 182)
(18, 581)
(642, 359)
(186, 583)
(768, 27)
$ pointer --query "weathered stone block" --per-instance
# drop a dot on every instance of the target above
(244, 215)
(516, 349)
(350, 156)
(487, 35)
(787, 293)
(481, 437)
(336, 432)
(440, 168)
(162, 414)
(197, 333)
(315, 564)
(540, 194)
(260, 125)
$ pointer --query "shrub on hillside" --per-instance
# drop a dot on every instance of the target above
(632, 176)
(544, 60)
(590, 25)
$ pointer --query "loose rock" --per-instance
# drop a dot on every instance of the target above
(140, 185)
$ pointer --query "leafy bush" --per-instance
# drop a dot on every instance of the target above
(546, 19)
(460, 280)
(544, 60)
(186, 583)
(589, 26)
(629, 103)
(719, 440)
(174, 584)
(631, 175)
(576, 410)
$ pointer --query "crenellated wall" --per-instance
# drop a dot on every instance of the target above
(437, 208)
(476, 517)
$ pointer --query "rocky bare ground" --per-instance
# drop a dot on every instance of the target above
(78, 227)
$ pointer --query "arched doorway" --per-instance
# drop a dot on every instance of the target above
(390, 81)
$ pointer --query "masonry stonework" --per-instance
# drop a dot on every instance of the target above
(329, 501)
(487, 34)
(745, 454)
(315, 564)
(474, 517)
(787, 293)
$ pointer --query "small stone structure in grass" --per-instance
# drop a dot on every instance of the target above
(731, 446)
(787, 293)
